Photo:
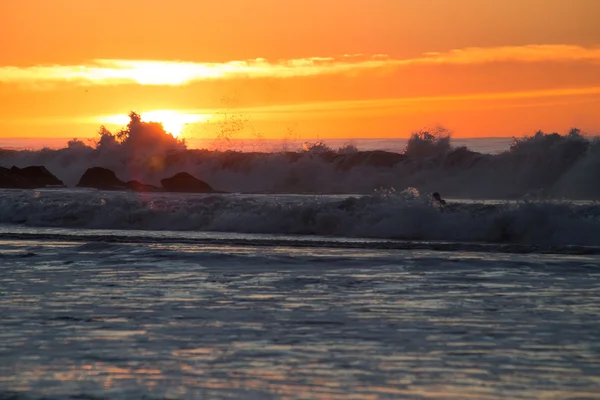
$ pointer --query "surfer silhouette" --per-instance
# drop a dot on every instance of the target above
(436, 196)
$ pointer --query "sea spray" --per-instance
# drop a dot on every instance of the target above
(543, 165)
(387, 214)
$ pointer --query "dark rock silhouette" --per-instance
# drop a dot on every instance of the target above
(38, 175)
(12, 181)
(101, 178)
(142, 187)
(436, 196)
(32, 177)
(184, 182)
(106, 179)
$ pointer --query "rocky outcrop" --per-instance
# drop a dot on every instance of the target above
(106, 179)
(32, 177)
(184, 182)
(137, 186)
(101, 178)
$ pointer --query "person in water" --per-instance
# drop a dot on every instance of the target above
(436, 196)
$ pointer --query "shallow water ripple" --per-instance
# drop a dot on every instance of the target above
(125, 321)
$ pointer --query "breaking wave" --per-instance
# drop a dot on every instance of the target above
(543, 165)
(383, 215)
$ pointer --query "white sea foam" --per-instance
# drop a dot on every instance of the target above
(386, 215)
(545, 165)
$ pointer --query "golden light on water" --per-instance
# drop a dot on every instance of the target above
(173, 121)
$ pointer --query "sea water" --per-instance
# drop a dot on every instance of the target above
(482, 145)
(116, 295)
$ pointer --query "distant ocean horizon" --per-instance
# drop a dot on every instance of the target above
(491, 145)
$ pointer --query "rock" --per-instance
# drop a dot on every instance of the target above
(10, 180)
(106, 179)
(184, 182)
(137, 186)
(38, 175)
(101, 178)
(32, 177)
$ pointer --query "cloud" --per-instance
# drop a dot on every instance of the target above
(520, 54)
(174, 73)
(425, 101)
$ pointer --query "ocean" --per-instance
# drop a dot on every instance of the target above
(315, 279)
(482, 145)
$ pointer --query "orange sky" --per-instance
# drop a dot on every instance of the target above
(322, 68)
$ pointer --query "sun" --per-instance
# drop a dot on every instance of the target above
(173, 121)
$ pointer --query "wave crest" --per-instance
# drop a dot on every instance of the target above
(383, 215)
(543, 165)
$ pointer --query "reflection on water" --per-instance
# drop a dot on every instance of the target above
(122, 321)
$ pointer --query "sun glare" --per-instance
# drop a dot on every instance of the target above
(174, 122)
